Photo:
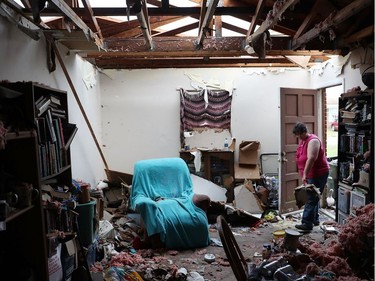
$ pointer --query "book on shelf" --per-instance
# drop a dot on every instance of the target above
(42, 130)
(52, 103)
(42, 108)
(69, 132)
(39, 100)
(55, 100)
(51, 130)
(347, 120)
(347, 114)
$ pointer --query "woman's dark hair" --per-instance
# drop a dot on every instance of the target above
(299, 128)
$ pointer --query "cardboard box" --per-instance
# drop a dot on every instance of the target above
(249, 152)
(69, 259)
(242, 172)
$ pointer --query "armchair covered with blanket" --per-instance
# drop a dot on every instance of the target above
(162, 192)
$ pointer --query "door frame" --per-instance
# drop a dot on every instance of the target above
(322, 127)
(296, 105)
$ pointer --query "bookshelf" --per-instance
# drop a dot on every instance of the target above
(355, 152)
(36, 151)
(23, 238)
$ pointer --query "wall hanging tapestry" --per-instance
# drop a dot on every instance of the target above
(205, 109)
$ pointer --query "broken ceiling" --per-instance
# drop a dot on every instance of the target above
(198, 33)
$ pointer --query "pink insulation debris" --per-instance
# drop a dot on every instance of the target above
(349, 255)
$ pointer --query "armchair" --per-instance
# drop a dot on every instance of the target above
(162, 192)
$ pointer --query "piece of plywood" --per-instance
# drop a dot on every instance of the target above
(246, 200)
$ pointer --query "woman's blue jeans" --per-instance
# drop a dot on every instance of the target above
(311, 210)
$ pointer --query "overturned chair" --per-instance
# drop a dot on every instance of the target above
(162, 192)
(233, 252)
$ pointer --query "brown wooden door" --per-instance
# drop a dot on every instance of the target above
(297, 105)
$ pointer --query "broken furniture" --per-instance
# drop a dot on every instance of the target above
(268, 269)
(217, 166)
(162, 192)
(236, 259)
(216, 163)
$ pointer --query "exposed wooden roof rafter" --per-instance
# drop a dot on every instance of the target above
(67, 11)
(92, 18)
(276, 15)
(143, 19)
(12, 12)
(307, 21)
(178, 30)
(149, 39)
(206, 22)
(350, 10)
(255, 18)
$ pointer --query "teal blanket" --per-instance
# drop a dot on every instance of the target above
(162, 192)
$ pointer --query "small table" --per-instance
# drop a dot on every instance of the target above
(215, 162)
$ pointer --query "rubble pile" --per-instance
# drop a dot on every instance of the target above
(349, 255)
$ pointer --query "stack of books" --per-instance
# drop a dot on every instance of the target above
(55, 134)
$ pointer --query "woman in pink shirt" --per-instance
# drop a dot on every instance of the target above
(314, 168)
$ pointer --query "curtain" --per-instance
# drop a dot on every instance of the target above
(205, 109)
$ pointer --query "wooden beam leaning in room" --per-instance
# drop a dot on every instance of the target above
(68, 11)
(206, 22)
(70, 82)
(268, 23)
(350, 10)
(92, 19)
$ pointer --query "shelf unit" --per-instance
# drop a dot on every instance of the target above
(38, 156)
(22, 244)
(215, 164)
(355, 137)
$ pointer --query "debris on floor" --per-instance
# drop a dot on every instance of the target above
(329, 252)
(341, 255)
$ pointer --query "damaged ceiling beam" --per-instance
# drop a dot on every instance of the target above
(68, 11)
(204, 26)
(12, 12)
(143, 19)
(334, 19)
(202, 13)
(153, 11)
(355, 37)
(272, 18)
(307, 21)
(255, 18)
(189, 62)
(201, 53)
(92, 18)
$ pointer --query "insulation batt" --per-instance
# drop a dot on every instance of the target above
(349, 255)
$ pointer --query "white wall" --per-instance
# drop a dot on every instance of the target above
(140, 110)
(345, 71)
(23, 59)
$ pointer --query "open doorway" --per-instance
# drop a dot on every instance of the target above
(332, 95)
(330, 101)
